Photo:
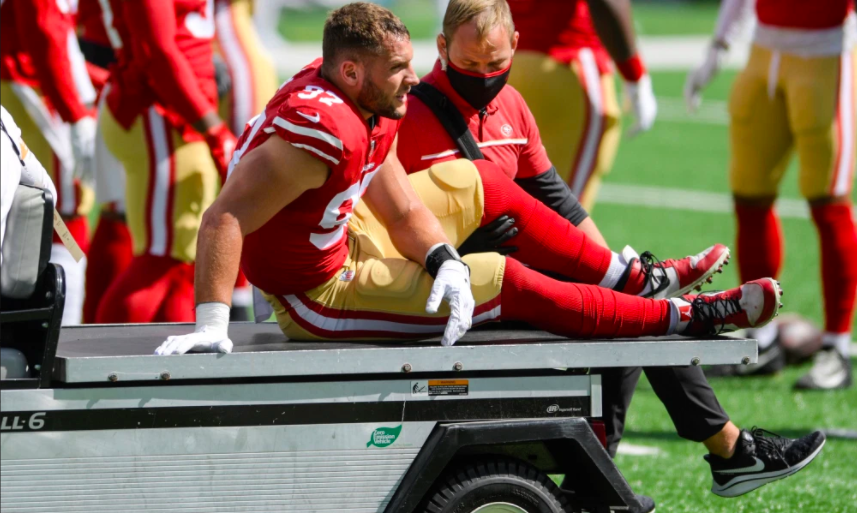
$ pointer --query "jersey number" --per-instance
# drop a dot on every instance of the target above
(312, 92)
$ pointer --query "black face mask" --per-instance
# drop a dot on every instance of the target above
(477, 89)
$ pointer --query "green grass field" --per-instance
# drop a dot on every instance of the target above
(682, 153)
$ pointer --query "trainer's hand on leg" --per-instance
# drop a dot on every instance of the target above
(211, 335)
(453, 286)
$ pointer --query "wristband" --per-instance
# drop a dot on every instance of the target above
(213, 316)
(632, 69)
(438, 254)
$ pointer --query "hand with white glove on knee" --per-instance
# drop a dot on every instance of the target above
(451, 284)
(83, 133)
(211, 334)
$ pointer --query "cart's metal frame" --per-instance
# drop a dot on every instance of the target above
(292, 426)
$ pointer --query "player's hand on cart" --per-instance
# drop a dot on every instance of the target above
(490, 238)
(452, 285)
(211, 335)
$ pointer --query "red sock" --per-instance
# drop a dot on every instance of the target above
(838, 236)
(545, 240)
(110, 256)
(574, 310)
(760, 242)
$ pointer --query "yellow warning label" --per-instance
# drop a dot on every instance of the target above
(448, 387)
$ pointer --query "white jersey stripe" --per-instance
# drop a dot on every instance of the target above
(308, 132)
(486, 144)
(345, 324)
(316, 151)
(239, 68)
(161, 188)
(257, 123)
(842, 175)
(592, 137)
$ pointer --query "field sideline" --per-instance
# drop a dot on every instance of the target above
(646, 204)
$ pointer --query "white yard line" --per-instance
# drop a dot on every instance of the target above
(688, 200)
(638, 450)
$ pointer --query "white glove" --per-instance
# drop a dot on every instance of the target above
(212, 324)
(642, 100)
(700, 77)
(453, 286)
(83, 147)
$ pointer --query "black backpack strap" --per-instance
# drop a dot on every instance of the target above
(450, 118)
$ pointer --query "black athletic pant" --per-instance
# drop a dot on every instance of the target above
(684, 391)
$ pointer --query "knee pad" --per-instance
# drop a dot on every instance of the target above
(460, 174)
(486, 275)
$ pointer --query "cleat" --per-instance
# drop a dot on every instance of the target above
(646, 276)
(830, 371)
(761, 457)
(751, 305)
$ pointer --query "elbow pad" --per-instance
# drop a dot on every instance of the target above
(549, 188)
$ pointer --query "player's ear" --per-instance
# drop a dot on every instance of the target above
(442, 49)
(515, 38)
(351, 72)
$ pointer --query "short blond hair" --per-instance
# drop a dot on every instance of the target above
(487, 13)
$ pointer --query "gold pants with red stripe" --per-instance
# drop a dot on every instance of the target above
(254, 80)
(74, 198)
(169, 183)
(781, 103)
(577, 114)
(378, 293)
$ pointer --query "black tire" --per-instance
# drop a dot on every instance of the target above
(475, 484)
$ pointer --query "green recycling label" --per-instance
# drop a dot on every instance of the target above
(384, 436)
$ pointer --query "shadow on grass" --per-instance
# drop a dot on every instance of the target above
(668, 436)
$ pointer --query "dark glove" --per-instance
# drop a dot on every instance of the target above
(488, 239)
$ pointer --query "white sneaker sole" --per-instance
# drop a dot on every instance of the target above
(701, 280)
(748, 483)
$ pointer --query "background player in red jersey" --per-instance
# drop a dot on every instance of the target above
(161, 122)
(565, 73)
(45, 87)
(797, 93)
(111, 248)
(334, 267)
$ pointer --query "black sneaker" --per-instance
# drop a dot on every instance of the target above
(645, 504)
(760, 458)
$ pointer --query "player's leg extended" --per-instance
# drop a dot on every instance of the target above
(73, 201)
(761, 145)
(822, 102)
(254, 80)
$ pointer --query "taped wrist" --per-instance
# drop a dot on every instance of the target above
(213, 316)
(438, 254)
(551, 190)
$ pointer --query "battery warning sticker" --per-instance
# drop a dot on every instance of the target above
(434, 387)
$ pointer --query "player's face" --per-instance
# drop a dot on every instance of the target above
(480, 56)
(388, 80)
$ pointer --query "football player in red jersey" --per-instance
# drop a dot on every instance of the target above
(45, 87)
(565, 73)
(160, 120)
(334, 267)
(797, 93)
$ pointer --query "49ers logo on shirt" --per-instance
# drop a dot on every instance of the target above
(506, 129)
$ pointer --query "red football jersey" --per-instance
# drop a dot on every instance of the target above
(166, 58)
(507, 133)
(34, 51)
(305, 244)
(91, 21)
(803, 14)
(559, 28)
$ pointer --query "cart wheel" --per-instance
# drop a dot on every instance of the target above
(496, 485)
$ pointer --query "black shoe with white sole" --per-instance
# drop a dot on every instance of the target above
(645, 504)
(830, 371)
(760, 458)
